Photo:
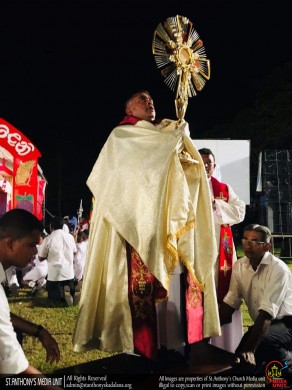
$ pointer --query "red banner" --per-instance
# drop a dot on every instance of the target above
(25, 186)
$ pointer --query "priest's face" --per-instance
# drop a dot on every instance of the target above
(209, 164)
(141, 106)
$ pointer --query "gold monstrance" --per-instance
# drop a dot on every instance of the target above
(181, 55)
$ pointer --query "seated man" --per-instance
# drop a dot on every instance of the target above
(11, 282)
(20, 232)
(264, 282)
(80, 255)
(58, 249)
(36, 277)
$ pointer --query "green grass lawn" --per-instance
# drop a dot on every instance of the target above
(60, 321)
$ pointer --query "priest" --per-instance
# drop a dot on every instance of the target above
(152, 246)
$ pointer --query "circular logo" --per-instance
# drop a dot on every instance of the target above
(274, 373)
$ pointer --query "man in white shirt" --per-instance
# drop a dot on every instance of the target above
(59, 249)
(80, 256)
(20, 232)
(37, 276)
(264, 282)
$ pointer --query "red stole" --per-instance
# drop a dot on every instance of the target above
(143, 290)
(194, 311)
(220, 191)
(132, 120)
(129, 120)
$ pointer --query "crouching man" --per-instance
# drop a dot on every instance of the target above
(264, 282)
(20, 232)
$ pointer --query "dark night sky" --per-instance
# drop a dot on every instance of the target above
(66, 68)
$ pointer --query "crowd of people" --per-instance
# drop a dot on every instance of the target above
(58, 264)
(159, 272)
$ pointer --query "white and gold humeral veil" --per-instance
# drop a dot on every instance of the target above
(146, 196)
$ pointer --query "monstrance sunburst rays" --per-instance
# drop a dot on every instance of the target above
(180, 54)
